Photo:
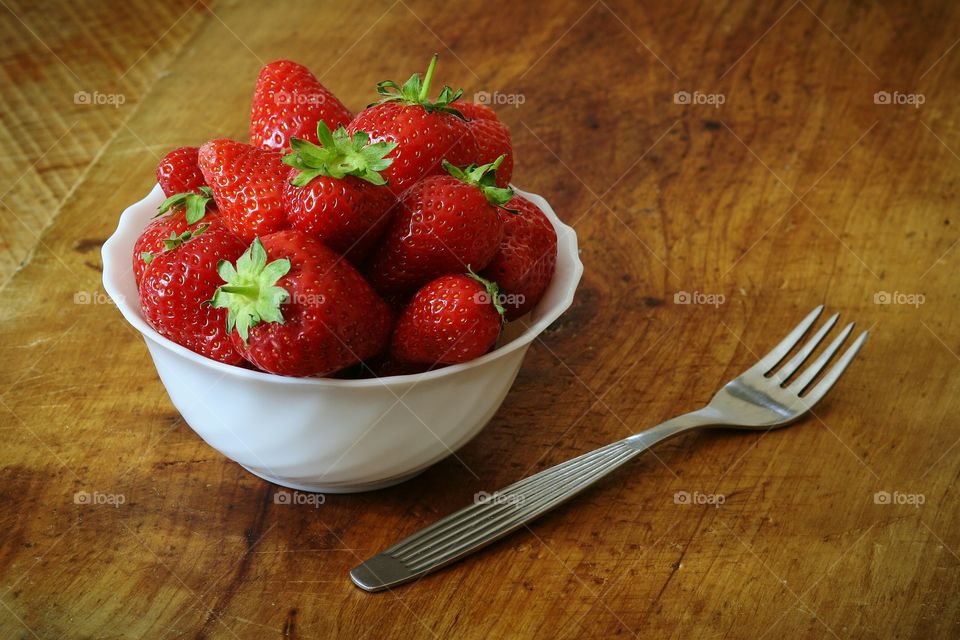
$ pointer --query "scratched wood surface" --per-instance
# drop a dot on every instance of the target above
(783, 182)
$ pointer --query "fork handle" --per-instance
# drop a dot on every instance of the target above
(493, 516)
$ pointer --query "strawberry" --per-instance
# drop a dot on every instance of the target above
(247, 185)
(444, 224)
(335, 191)
(476, 111)
(178, 172)
(526, 259)
(425, 132)
(306, 313)
(492, 141)
(289, 101)
(178, 283)
(177, 215)
(452, 319)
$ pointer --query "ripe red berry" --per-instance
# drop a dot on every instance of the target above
(289, 102)
(178, 214)
(247, 185)
(297, 308)
(178, 172)
(526, 259)
(450, 320)
(425, 133)
(444, 224)
(335, 192)
(492, 141)
(178, 284)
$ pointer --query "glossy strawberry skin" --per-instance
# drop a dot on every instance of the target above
(333, 318)
(475, 111)
(449, 320)
(526, 258)
(347, 214)
(176, 286)
(178, 172)
(288, 102)
(441, 226)
(493, 140)
(424, 139)
(159, 229)
(247, 185)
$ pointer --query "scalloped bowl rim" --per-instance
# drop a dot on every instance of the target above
(116, 258)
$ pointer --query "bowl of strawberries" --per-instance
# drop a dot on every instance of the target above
(345, 299)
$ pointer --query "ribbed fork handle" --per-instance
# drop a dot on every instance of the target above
(493, 516)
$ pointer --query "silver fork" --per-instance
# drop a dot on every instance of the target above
(757, 399)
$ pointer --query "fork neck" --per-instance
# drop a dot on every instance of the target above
(670, 428)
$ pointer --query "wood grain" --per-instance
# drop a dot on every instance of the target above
(798, 190)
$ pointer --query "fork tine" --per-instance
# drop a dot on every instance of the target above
(834, 374)
(770, 360)
(788, 369)
(805, 378)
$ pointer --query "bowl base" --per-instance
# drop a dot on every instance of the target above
(338, 488)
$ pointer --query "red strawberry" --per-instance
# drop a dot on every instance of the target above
(306, 313)
(335, 192)
(178, 283)
(524, 264)
(452, 319)
(475, 111)
(493, 140)
(177, 215)
(178, 172)
(289, 102)
(247, 185)
(444, 224)
(425, 132)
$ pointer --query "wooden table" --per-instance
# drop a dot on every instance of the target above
(784, 181)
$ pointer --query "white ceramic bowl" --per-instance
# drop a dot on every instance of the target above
(319, 434)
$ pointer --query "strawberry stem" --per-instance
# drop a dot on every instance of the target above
(427, 79)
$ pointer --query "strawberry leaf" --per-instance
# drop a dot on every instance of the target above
(195, 203)
(484, 177)
(339, 155)
(250, 294)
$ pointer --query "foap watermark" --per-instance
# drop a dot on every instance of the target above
(899, 98)
(308, 299)
(698, 97)
(899, 297)
(299, 498)
(92, 297)
(281, 98)
(698, 297)
(505, 300)
(897, 497)
(497, 98)
(686, 497)
(95, 98)
(96, 498)
(482, 497)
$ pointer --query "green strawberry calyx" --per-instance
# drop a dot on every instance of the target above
(174, 241)
(250, 294)
(339, 155)
(484, 177)
(195, 203)
(493, 292)
(416, 91)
